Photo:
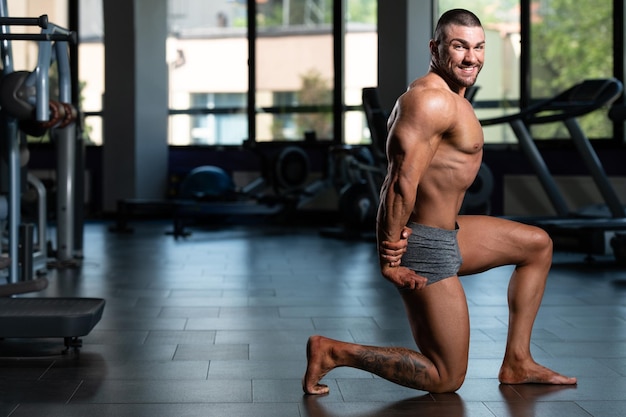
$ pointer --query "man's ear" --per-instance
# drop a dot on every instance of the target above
(434, 47)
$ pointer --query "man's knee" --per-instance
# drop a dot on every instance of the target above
(450, 382)
(538, 241)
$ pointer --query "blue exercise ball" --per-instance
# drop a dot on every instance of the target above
(207, 183)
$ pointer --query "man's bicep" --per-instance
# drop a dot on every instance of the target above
(410, 147)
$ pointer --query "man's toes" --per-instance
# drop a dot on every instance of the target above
(317, 389)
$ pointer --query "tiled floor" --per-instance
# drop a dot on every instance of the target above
(216, 325)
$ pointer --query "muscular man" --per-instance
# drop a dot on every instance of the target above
(434, 151)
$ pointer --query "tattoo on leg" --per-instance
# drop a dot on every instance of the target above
(398, 365)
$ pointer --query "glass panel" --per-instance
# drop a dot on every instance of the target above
(294, 69)
(207, 53)
(361, 65)
(224, 127)
(499, 80)
(568, 45)
(91, 67)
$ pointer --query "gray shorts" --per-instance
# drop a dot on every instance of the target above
(432, 253)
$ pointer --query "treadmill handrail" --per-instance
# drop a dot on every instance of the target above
(580, 99)
(567, 103)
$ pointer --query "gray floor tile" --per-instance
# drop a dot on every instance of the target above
(157, 410)
(544, 409)
(129, 370)
(248, 323)
(162, 391)
(604, 408)
(250, 369)
(186, 337)
(210, 352)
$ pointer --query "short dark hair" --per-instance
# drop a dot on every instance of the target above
(460, 17)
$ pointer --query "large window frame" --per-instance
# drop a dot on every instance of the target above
(339, 108)
(526, 71)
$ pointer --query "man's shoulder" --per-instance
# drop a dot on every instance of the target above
(428, 95)
(429, 87)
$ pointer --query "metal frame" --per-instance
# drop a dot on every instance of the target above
(66, 136)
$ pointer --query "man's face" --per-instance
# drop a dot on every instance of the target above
(461, 54)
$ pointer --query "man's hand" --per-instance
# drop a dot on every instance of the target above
(390, 255)
(404, 278)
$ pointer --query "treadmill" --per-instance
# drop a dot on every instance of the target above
(571, 231)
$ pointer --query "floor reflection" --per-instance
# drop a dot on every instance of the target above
(423, 406)
(521, 400)
(517, 401)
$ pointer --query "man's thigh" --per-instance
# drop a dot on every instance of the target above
(439, 319)
(487, 242)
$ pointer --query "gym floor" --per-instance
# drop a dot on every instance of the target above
(216, 324)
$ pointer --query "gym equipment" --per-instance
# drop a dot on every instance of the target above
(376, 119)
(281, 188)
(291, 168)
(570, 230)
(358, 173)
(24, 96)
(69, 318)
(39, 246)
(358, 178)
(206, 183)
(15, 94)
(208, 192)
(357, 208)
(66, 318)
(478, 196)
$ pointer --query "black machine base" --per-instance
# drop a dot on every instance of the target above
(67, 318)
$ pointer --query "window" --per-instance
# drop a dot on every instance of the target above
(361, 66)
(91, 67)
(218, 128)
(284, 125)
(294, 59)
(207, 54)
(570, 44)
(567, 44)
(293, 70)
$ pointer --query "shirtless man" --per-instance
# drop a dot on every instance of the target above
(434, 151)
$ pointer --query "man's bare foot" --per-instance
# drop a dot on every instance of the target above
(319, 363)
(532, 373)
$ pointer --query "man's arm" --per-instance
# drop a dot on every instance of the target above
(418, 123)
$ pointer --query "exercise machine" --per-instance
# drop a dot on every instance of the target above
(66, 318)
(209, 193)
(580, 231)
(24, 97)
(358, 173)
(27, 107)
